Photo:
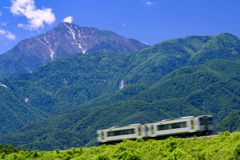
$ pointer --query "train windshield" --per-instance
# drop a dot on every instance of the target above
(206, 120)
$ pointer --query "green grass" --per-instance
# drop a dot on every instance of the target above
(225, 146)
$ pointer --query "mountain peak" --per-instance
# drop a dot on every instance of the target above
(65, 39)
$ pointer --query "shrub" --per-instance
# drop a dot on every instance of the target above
(57, 151)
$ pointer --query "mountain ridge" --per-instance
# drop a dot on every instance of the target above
(64, 39)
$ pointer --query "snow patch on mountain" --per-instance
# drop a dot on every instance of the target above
(26, 99)
(79, 33)
(3, 85)
(71, 31)
(50, 47)
(121, 84)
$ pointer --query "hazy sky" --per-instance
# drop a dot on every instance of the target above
(151, 21)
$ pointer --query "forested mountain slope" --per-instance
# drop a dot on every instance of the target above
(212, 88)
(15, 112)
(73, 80)
(231, 123)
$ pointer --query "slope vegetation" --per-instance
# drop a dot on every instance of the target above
(224, 146)
(73, 80)
(211, 88)
(231, 123)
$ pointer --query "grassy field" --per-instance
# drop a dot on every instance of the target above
(225, 146)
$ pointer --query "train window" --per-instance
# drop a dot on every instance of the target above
(210, 121)
(184, 124)
(172, 126)
(204, 121)
(175, 125)
(120, 132)
(160, 127)
(109, 134)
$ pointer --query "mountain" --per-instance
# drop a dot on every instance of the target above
(222, 46)
(211, 88)
(76, 79)
(154, 79)
(231, 123)
(15, 112)
(64, 39)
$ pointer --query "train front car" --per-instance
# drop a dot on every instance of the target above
(205, 124)
(182, 127)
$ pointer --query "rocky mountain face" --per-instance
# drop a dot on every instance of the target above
(64, 39)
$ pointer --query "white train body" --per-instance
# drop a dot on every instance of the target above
(179, 127)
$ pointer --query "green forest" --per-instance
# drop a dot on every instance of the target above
(64, 102)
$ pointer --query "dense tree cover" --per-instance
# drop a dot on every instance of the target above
(224, 146)
(222, 46)
(65, 83)
(8, 149)
(211, 88)
(74, 80)
(14, 111)
(231, 123)
(153, 91)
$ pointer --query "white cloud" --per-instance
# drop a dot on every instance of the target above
(0, 13)
(8, 34)
(36, 17)
(68, 19)
(124, 24)
(20, 25)
(4, 24)
(149, 3)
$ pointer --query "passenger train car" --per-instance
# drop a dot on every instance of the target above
(178, 127)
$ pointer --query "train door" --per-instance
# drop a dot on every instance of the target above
(146, 129)
(102, 135)
(206, 124)
(192, 125)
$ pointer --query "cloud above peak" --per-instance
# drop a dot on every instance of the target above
(149, 3)
(36, 17)
(68, 19)
(7, 34)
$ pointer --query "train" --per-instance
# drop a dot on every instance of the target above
(177, 127)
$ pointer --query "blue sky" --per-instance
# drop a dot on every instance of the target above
(151, 21)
